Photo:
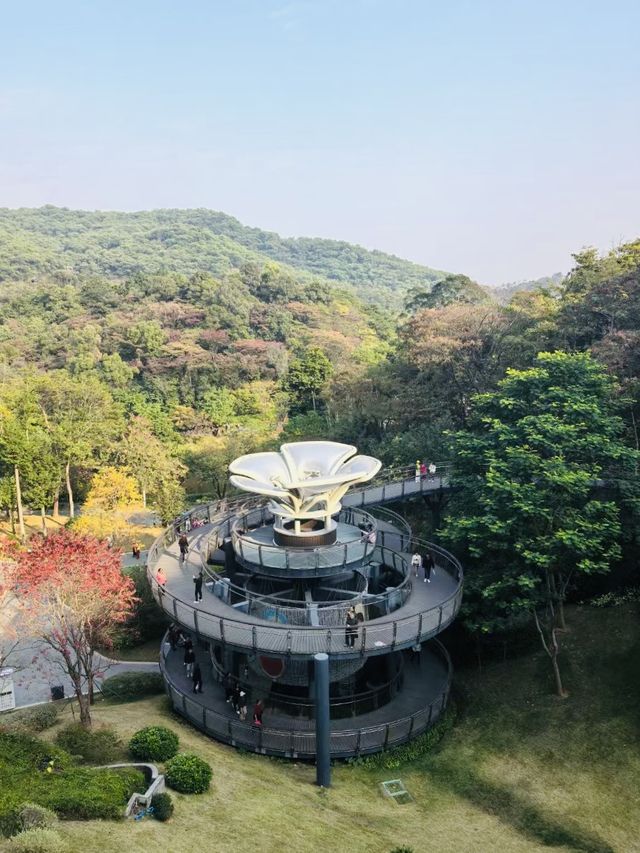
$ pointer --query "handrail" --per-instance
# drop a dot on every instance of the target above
(301, 742)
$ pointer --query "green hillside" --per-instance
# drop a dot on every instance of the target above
(50, 240)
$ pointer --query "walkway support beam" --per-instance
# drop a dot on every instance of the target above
(323, 722)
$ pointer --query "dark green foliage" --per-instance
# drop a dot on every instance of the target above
(98, 745)
(148, 621)
(449, 290)
(188, 774)
(129, 686)
(402, 850)
(45, 774)
(154, 743)
(412, 751)
(35, 719)
(162, 805)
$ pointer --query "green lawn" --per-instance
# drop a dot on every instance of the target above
(521, 771)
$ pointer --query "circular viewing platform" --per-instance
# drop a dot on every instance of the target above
(427, 681)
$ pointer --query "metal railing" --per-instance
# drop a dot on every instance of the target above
(300, 743)
(376, 637)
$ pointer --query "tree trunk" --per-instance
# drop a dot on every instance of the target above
(67, 474)
(23, 533)
(85, 708)
(144, 498)
(12, 518)
(56, 503)
(91, 688)
(43, 517)
(562, 693)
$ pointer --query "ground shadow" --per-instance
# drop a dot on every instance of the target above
(511, 807)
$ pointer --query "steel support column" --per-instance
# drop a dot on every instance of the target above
(323, 723)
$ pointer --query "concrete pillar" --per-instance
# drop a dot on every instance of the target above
(323, 721)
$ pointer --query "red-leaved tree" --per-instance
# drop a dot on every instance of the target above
(74, 596)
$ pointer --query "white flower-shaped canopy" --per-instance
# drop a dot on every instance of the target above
(306, 479)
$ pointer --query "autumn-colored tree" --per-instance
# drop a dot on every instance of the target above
(112, 488)
(73, 596)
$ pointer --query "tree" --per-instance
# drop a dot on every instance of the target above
(8, 634)
(306, 377)
(451, 289)
(149, 460)
(112, 488)
(73, 596)
(533, 512)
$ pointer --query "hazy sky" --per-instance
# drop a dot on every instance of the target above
(492, 137)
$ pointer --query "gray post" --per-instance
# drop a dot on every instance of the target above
(323, 725)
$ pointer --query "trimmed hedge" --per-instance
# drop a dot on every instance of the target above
(36, 719)
(44, 774)
(129, 686)
(37, 841)
(154, 743)
(162, 805)
(188, 774)
(93, 746)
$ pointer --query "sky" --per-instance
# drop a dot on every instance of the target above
(490, 137)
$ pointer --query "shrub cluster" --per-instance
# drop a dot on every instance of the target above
(35, 719)
(37, 840)
(154, 743)
(34, 816)
(162, 805)
(93, 746)
(132, 685)
(188, 774)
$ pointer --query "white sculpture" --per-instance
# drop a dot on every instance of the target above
(305, 481)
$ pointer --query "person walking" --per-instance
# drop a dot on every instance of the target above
(351, 628)
(432, 470)
(423, 471)
(258, 710)
(183, 544)
(417, 470)
(136, 550)
(416, 563)
(197, 580)
(242, 705)
(197, 679)
(227, 683)
(189, 660)
(429, 566)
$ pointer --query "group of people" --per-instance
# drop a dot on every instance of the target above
(236, 696)
(424, 470)
(427, 563)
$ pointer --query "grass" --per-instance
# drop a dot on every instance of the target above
(147, 651)
(521, 771)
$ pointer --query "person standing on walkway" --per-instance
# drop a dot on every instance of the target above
(416, 563)
(417, 470)
(189, 660)
(183, 544)
(242, 705)
(351, 628)
(429, 566)
(258, 710)
(197, 679)
(423, 471)
(432, 470)
(161, 580)
(197, 580)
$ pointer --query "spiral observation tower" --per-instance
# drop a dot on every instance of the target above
(310, 563)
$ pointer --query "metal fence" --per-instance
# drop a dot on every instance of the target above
(300, 743)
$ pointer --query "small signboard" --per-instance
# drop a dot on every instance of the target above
(7, 695)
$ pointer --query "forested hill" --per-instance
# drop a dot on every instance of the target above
(50, 240)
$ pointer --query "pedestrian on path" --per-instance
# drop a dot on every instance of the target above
(136, 549)
(432, 470)
(197, 679)
(189, 660)
(351, 627)
(423, 471)
(242, 705)
(417, 470)
(161, 580)
(183, 544)
(416, 563)
(429, 566)
(197, 580)
(258, 710)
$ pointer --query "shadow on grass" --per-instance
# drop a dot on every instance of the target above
(512, 808)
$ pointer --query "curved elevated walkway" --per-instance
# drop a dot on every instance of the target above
(417, 706)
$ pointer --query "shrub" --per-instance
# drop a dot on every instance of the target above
(188, 774)
(33, 816)
(162, 806)
(402, 850)
(37, 841)
(93, 746)
(154, 743)
(132, 685)
(35, 719)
